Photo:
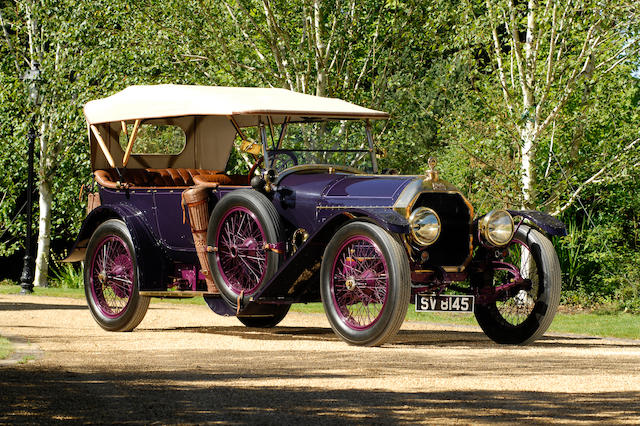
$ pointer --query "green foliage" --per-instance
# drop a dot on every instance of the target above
(430, 64)
(153, 139)
(67, 275)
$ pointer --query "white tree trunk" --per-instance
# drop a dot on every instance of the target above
(526, 162)
(44, 234)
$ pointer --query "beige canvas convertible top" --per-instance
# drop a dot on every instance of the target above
(210, 117)
(170, 100)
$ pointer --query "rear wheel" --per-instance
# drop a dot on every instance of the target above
(522, 315)
(111, 278)
(246, 234)
(365, 284)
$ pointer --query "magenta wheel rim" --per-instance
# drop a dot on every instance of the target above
(516, 309)
(359, 282)
(241, 256)
(111, 278)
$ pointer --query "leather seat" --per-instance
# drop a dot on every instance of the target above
(110, 178)
(212, 179)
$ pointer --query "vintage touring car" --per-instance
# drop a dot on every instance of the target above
(175, 215)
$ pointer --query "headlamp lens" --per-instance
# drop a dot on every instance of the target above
(425, 225)
(497, 227)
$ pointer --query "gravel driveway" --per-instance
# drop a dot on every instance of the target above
(185, 364)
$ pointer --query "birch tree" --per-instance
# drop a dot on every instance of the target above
(543, 53)
(39, 34)
(26, 48)
(320, 47)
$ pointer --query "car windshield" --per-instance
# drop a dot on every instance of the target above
(340, 143)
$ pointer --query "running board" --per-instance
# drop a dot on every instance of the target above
(177, 294)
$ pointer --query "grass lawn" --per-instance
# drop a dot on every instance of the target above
(621, 325)
(75, 293)
(5, 348)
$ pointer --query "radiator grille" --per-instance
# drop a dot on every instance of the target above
(452, 247)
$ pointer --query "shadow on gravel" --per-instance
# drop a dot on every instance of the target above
(276, 333)
(25, 306)
(414, 338)
(451, 338)
(36, 396)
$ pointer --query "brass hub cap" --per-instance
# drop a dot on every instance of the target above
(350, 283)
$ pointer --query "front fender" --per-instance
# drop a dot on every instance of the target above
(151, 261)
(386, 218)
(298, 277)
(544, 221)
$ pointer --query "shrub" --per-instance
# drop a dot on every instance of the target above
(66, 275)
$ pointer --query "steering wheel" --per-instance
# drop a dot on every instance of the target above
(280, 160)
(254, 167)
(283, 159)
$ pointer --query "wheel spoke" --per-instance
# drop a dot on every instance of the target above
(112, 276)
(360, 263)
(241, 259)
(517, 307)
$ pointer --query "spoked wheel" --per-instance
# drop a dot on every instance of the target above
(246, 234)
(365, 284)
(522, 315)
(268, 316)
(242, 258)
(111, 279)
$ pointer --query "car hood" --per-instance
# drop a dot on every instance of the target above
(367, 190)
(307, 199)
(346, 189)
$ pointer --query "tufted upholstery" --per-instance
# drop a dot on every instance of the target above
(212, 180)
(109, 178)
(177, 177)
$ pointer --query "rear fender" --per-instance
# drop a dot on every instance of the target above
(151, 261)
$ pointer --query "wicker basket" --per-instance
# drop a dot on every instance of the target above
(93, 201)
(196, 199)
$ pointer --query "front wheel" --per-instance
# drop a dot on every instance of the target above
(522, 315)
(111, 278)
(365, 284)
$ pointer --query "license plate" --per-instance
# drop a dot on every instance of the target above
(443, 303)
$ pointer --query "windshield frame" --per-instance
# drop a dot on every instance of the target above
(276, 145)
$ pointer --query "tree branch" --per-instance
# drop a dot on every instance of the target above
(277, 48)
(617, 54)
(249, 39)
(516, 45)
(369, 55)
(498, 53)
(531, 44)
(7, 38)
(544, 15)
(286, 44)
(593, 179)
(577, 71)
(550, 63)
